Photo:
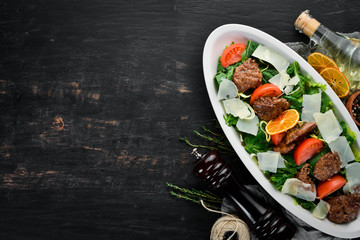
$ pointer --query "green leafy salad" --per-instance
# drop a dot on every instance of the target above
(294, 167)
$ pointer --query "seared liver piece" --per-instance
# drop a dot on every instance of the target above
(247, 75)
(284, 148)
(303, 175)
(268, 108)
(344, 208)
(327, 166)
(295, 134)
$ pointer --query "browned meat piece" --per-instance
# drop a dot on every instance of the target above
(327, 166)
(344, 208)
(284, 148)
(268, 108)
(297, 133)
(303, 175)
(247, 75)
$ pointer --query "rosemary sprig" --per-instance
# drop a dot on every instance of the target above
(196, 145)
(209, 131)
(220, 142)
(194, 195)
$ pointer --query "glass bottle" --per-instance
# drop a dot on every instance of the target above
(343, 50)
(265, 222)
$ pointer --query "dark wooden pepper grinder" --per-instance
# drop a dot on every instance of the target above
(265, 222)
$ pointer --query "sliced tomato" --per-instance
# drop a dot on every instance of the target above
(329, 186)
(265, 90)
(232, 54)
(307, 149)
(276, 138)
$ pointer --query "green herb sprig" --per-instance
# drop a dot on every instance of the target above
(210, 199)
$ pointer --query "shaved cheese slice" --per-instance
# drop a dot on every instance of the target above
(236, 107)
(291, 84)
(276, 80)
(297, 188)
(272, 57)
(281, 162)
(288, 89)
(342, 147)
(227, 90)
(294, 80)
(311, 104)
(270, 161)
(328, 125)
(284, 79)
(252, 111)
(281, 80)
(248, 125)
(352, 177)
(321, 210)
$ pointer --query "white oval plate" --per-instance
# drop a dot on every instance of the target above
(213, 48)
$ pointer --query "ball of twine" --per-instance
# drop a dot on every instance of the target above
(228, 223)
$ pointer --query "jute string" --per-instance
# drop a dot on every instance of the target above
(228, 223)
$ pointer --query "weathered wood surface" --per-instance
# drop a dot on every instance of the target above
(94, 96)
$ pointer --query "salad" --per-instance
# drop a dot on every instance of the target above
(288, 126)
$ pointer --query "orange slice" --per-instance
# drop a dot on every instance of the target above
(319, 61)
(285, 121)
(337, 81)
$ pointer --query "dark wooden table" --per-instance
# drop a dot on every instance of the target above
(94, 96)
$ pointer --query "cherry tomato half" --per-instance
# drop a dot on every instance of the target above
(307, 149)
(265, 90)
(232, 54)
(276, 138)
(329, 186)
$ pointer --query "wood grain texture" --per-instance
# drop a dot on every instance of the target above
(94, 96)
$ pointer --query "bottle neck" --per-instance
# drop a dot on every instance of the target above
(319, 33)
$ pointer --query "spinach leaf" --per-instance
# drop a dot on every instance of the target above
(268, 73)
(226, 73)
(306, 204)
(306, 85)
(219, 77)
(356, 153)
(220, 68)
(230, 70)
(348, 133)
(279, 178)
(230, 120)
(326, 103)
(290, 70)
(295, 103)
(250, 48)
(256, 144)
(313, 87)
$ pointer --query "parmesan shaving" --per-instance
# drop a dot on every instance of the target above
(328, 125)
(352, 177)
(270, 161)
(248, 125)
(227, 90)
(236, 107)
(281, 80)
(311, 104)
(272, 57)
(294, 80)
(297, 188)
(321, 210)
(252, 112)
(288, 89)
(342, 147)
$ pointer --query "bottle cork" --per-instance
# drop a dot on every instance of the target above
(306, 24)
